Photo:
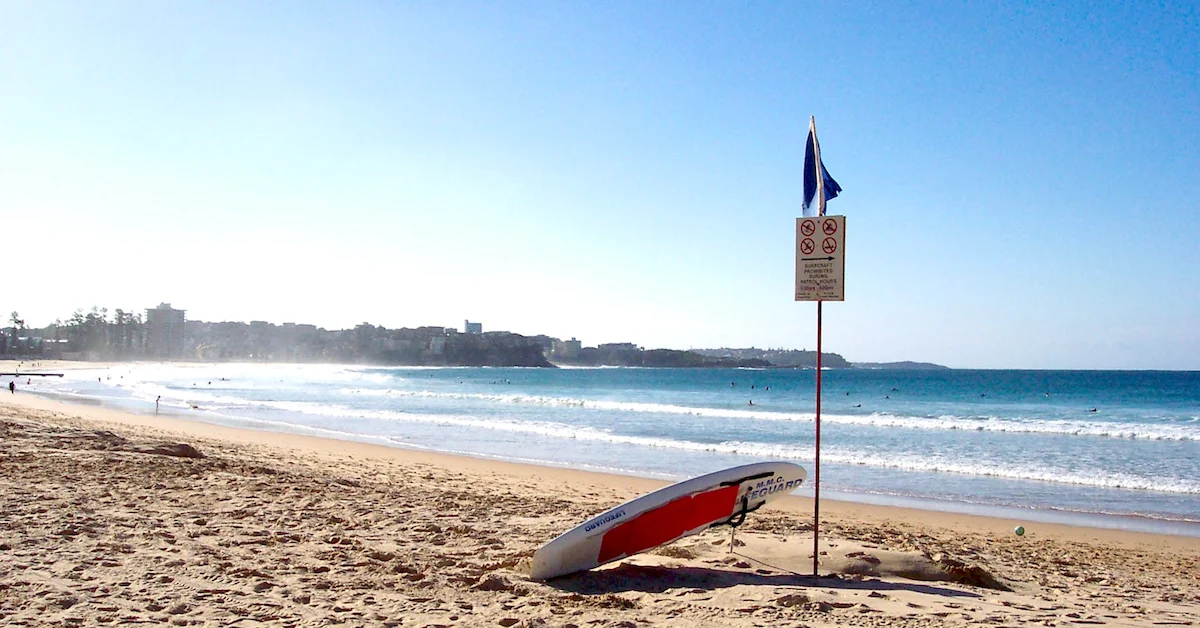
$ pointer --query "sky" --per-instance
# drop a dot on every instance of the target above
(1021, 183)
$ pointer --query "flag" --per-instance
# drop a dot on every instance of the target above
(815, 195)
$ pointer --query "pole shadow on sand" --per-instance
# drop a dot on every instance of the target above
(655, 579)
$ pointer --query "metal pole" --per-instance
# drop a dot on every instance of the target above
(820, 176)
(817, 457)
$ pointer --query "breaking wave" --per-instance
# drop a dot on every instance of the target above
(1101, 429)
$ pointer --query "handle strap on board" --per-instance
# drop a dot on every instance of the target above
(756, 476)
(739, 517)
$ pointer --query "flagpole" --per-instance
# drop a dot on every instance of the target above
(812, 127)
(817, 457)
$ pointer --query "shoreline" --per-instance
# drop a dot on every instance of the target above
(1017, 515)
(972, 521)
(112, 517)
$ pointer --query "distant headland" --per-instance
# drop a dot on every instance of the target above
(901, 366)
(165, 333)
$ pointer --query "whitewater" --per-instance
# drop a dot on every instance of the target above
(1119, 449)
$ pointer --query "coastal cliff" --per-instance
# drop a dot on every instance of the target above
(779, 358)
(654, 358)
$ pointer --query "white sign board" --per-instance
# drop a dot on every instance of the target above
(821, 258)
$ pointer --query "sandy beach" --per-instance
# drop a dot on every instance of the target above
(112, 518)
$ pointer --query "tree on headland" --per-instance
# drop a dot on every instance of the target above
(125, 331)
(18, 324)
(97, 323)
(365, 340)
(89, 332)
(75, 329)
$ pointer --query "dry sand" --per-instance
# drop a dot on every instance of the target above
(106, 520)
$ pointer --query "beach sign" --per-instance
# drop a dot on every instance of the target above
(821, 258)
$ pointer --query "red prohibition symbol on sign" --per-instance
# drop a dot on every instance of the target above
(808, 227)
(829, 245)
(829, 227)
(807, 246)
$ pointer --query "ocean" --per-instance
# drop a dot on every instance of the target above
(1105, 448)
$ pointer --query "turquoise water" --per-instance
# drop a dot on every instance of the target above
(1107, 448)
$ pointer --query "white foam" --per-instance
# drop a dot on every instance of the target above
(898, 461)
(1094, 478)
(1183, 429)
(1100, 429)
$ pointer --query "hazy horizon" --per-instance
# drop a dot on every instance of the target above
(1020, 183)
(530, 333)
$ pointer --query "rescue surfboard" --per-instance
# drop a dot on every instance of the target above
(665, 516)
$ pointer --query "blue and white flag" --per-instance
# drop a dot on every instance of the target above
(816, 194)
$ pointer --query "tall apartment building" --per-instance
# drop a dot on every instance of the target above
(566, 349)
(164, 331)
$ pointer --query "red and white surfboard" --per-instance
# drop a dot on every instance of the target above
(665, 516)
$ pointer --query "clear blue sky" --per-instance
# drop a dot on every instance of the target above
(1022, 184)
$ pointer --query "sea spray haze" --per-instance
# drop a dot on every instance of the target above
(1113, 448)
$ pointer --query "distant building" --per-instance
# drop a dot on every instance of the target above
(472, 328)
(567, 349)
(619, 346)
(164, 331)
